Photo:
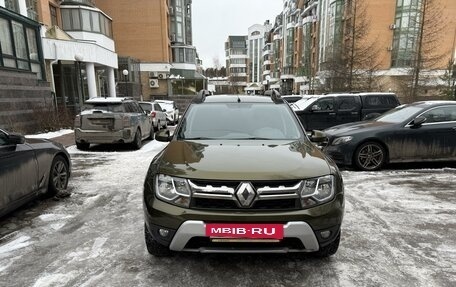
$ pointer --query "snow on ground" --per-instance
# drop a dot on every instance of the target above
(399, 230)
(50, 135)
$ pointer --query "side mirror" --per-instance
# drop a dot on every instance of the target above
(16, 139)
(418, 121)
(318, 136)
(163, 136)
(164, 110)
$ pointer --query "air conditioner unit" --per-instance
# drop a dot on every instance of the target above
(389, 48)
(171, 10)
(162, 76)
(153, 83)
(152, 74)
(392, 26)
(173, 38)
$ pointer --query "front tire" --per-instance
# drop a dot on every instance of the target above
(137, 142)
(153, 247)
(370, 156)
(58, 176)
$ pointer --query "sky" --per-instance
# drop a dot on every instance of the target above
(215, 20)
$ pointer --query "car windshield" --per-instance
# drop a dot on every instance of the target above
(166, 106)
(398, 114)
(146, 107)
(303, 104)
(108, 107)
(235, 121)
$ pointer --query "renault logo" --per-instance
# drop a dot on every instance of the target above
(245, 194)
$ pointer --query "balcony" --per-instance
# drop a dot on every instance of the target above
(79, 2)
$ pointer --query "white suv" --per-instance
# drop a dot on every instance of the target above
(171, 110)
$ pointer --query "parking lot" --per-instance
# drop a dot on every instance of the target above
(399, 230)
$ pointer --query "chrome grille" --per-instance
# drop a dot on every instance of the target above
(270, 195)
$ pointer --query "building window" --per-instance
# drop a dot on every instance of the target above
(92, 21)
(53, 11)
(12, 5)
(31, 10)
(19, 46)
(407, 23)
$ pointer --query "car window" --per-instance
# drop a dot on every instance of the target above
(398, 114)
(108, 107)
(145, 106)
(440, 114)
(3, 138)
(346, 103)
(326, 104)
(239, 121)
(157, 107)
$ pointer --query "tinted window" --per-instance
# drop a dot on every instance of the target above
(440, 114)
(380, 101)
(326, 104)
(109, 107)
(146, 107)
(157, 107)
(239, 121)
(346, 103)
(2, 138)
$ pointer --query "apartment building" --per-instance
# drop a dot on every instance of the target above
(73, 57)
(255, 48)
(79, 51)
(157, 35)
(236, 63)
(342, 45)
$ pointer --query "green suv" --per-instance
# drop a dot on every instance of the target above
(239, 175)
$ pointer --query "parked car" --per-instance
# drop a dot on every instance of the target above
(155, 111)
(30, 168)
(325, 111)
(171, 110)
(112, 120)
(235, 179)
(422, 131)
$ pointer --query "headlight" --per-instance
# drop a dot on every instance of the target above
(317, 190)
(342, 140)
(173, 190)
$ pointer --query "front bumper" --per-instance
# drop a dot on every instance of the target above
(340, 154)
(126, 135)
(187, 226)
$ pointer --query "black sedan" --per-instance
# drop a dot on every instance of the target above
(418, 132)
(30, 168)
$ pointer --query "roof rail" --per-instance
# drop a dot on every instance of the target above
(276, 97)
(201, 96)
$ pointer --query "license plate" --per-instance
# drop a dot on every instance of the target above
(234, 230)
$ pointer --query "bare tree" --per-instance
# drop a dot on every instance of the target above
(431, 24)
(355, 60)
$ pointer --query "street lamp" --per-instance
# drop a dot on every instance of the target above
(125, 73)
(79, 58)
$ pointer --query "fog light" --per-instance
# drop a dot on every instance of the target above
(325, 234)
(163, 232)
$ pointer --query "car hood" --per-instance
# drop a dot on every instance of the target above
(357, 127)
(243, 160)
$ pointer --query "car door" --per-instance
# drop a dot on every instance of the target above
(144, 118)
(18, 173)
(321, 114)
(440, 136)
(347, 109)
(432, 140)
